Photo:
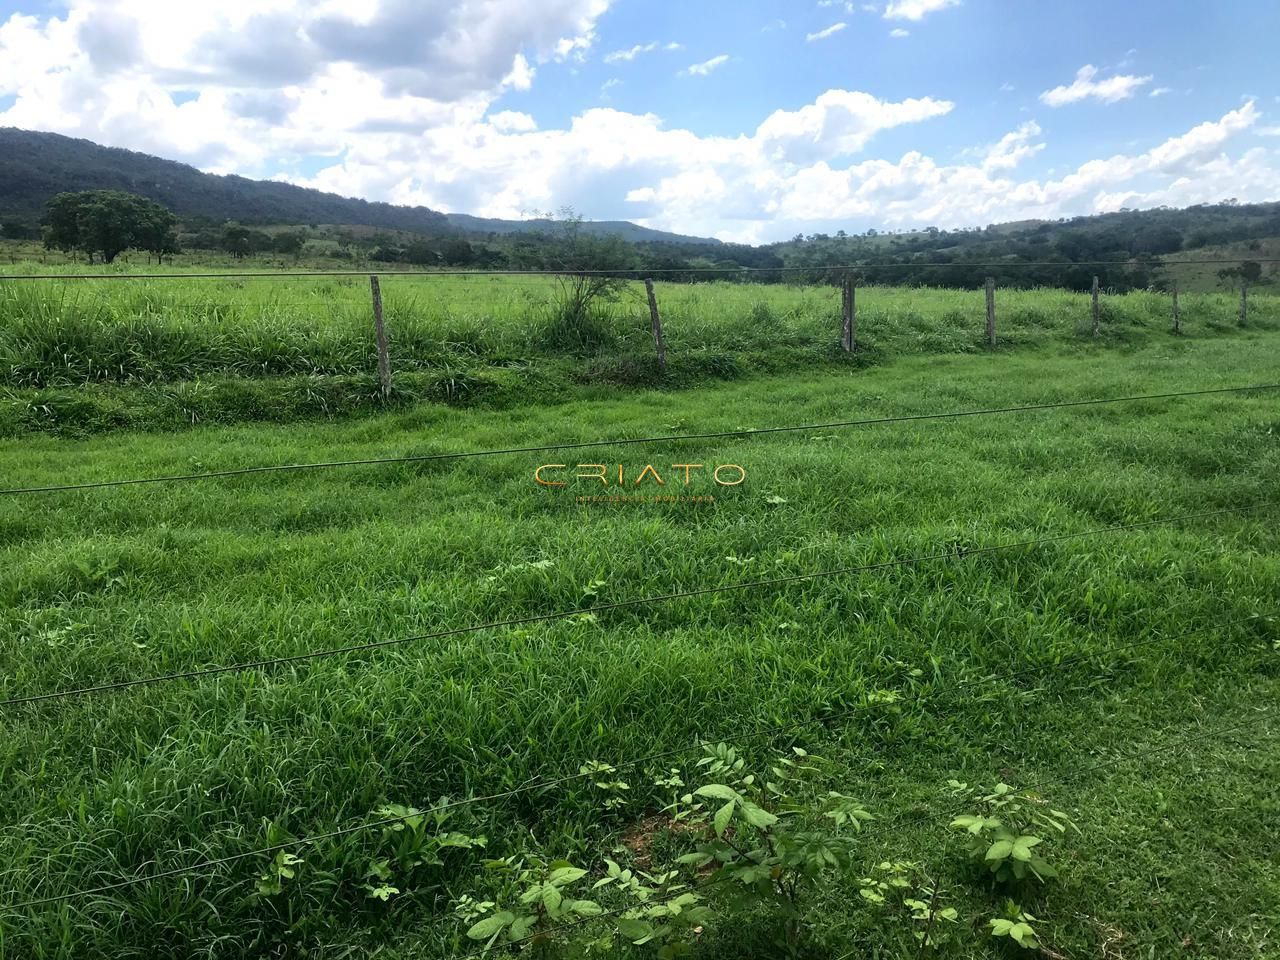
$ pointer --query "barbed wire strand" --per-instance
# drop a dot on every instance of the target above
(957, 553)
(762, 732)
(638, 273)
(631, 441)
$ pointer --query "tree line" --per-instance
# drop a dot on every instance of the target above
(1123, 250)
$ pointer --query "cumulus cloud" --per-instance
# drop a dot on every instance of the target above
(830, 31)
(838, 123)
(366, 119)
(916, 9)
(899, 33)
(1086, 86)
(706, 66)
(1011, 149)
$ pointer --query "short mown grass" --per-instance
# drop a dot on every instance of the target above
(1179, 845)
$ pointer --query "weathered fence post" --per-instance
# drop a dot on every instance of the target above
(1244, 302)
(849, 315)
(655, 319)
(380, 331)
(1177, 314)
(1096, 311)
(991, 311)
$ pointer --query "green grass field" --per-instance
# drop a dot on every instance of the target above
(81, 357)
(1147, 658)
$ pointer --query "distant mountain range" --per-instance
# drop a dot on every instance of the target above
(35, 166)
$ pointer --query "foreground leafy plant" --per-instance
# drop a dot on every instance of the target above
(763, 842)
(1000, 834)
(1016, 926)
(544, 901)
(898, 884)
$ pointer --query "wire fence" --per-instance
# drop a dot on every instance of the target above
(847, 339)
(74, 328)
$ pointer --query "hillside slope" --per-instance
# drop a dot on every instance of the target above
(35, 166)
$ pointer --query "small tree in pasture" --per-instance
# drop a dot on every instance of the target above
(108, 222)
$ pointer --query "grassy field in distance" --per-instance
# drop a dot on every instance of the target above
(82, 356)
(105, 585)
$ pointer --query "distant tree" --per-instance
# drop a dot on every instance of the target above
(108, 222)
(421, 254)
(17, 230)
(458, 253)
(236, 240)
(1251, 270)
(291, 242)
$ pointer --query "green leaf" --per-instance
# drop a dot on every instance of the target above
(1001, 928)
(551, 897)
(758, 817)
(717, 791)
(1023, 933)
(637, 931)
(720, 821)
(520, 929)
(1000, 850)
(564, 876)
(487, 927)
(586, 908)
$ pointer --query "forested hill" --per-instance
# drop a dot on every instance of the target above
(36, 166)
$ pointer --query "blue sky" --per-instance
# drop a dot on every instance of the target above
(803, 116)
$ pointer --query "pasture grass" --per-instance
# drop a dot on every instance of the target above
(81, 357)
(1178, 852)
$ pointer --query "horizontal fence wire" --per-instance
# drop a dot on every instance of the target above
(627, 441)
(955, 554)
(638, 272)
(763, 732)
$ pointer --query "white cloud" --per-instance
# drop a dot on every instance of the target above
(511, 121)
(899, 33)
(631, 54)
(1272, 131)
(916, 9)
(1013, 148)
(1160, 91)
(839, 122)
(391, 132)
(1007, 87)
(618, 56)
(706, 66)
(1086, 86)
(830, 31)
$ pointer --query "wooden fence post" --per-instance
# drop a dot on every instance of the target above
(991, 311)
(1244, 302)
(1096, 312)
(380, 331)
(655, 320)
(1177, 314)
(849, 315)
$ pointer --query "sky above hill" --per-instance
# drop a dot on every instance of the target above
(749, 120)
